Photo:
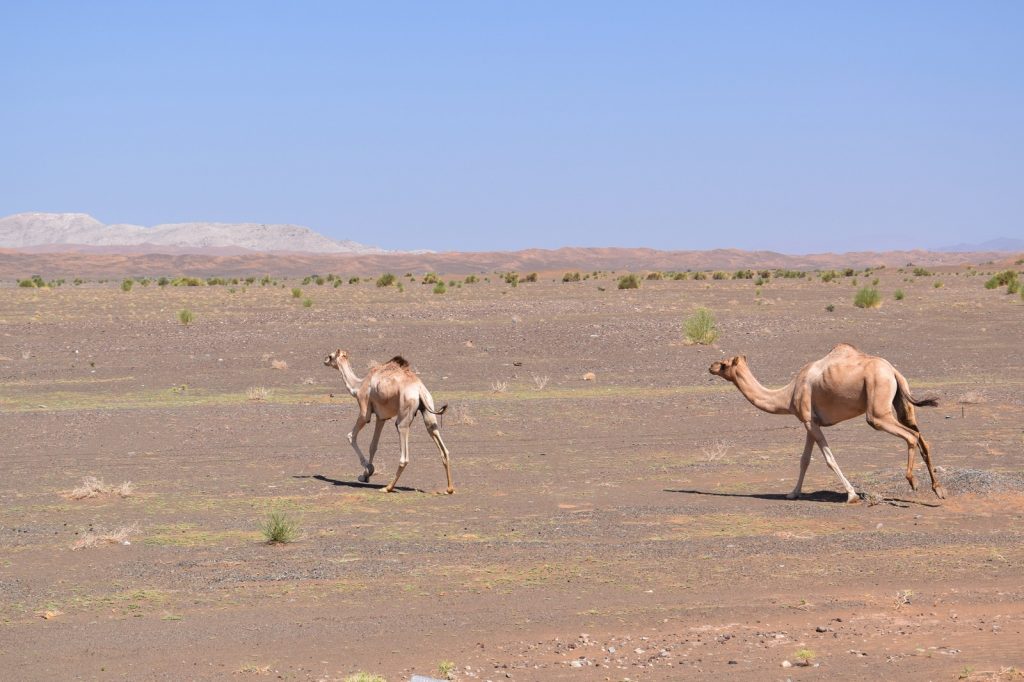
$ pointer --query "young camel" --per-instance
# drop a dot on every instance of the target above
(390, 390)
(842, 385)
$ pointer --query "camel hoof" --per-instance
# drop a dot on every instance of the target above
(912, 482)
(793, 496)
(853, 499)
(363, 477)
(387, 489)
(940, 492)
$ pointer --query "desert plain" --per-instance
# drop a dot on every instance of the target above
(619, 512)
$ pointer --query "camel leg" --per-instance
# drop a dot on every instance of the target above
(353, 438)
(378, 426)
(888, 423)
(851, 495)
(435, 433)
(909, 420)
(403, 437)
(805, 460)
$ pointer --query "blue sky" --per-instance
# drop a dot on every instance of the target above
(792, 126)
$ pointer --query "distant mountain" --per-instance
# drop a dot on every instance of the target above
(78, 231)
(1000, 244)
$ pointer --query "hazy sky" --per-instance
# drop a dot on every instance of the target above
(793, 126)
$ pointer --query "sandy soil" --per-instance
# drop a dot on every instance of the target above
(633, 526)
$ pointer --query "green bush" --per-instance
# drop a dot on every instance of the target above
(720, 275)
(185, 316)
(1002, 279)
(829, 275)
(26, 283)
(680, 276)
(353, 280)
(868, 297)
(307, 303)
(278, 528)
(571, 277)
(830, 308)
(296, 292)
(439, 288)
(700, 327)
(430, 278)
(899, 295)
(471, 279)
(386, 280)
(629, 282)
(743, 274)
(849, 272)
(127, 285)
(700, 275)
(512, 279)
(532, 277)
(654, 275)
(922, 272)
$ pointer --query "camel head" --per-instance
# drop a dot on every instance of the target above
(727, 368)
(335, 358)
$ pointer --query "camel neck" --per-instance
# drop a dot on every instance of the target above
(774, 401)
(352, 382)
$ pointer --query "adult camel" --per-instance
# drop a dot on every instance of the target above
(844, 384)
(391, 390)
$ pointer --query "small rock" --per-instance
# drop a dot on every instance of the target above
(733, 662)
(821, 628)
(787, 664)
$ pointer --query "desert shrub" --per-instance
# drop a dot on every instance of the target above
(922, 272)
(26, 283)
(629, 282)
(307, 303)
(278, 528)
(511, 278)
(471, 279)
(700, 275)
(79, 281)
(250, 280)
(127, 285)
(849, 272)
(320, 281)
(790, 274)
(431, 278)
(187, 282)
(760, 281)
(720, 275)
(365, 677)
(899, 295)
(830, 308)
(185, 316)
(353, 280)
(306, 281)
(1002, 279)
(216, 281)
(386, 280)
(654, 275)
(265, 280)
(938, 285)
(532, 277)
(296, 292)
(446, 669)
(743, 274)
(868, 297)
(439, 288)
(829, 275)
(680, 276)
(1013, 287)
(257, 393)
(571, 277)
(162, 282)
(700, 327)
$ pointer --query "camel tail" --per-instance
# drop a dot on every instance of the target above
(903, 393)
(423, 407)
(427, 403)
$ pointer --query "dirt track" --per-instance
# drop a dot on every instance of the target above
(635, 525)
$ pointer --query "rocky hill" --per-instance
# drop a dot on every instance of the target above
(82, 232)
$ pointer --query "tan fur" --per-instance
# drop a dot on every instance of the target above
(844, 384)
(391, 390)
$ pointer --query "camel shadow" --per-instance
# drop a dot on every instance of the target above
(817, 496)
(359, 484)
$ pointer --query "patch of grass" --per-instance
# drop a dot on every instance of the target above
(654, 276)
(296, 292)
(185, 316)
(868, 297)
(630, 281)
(922, 272)
(279, 529)
(743, 274)
(257, 393)
(700, 275)
(111, 537)
(512, 279)
(700, 328)
(804, 656)
(439, 288)
(471, 279)
(571, 277)
(386, 280)
(127, 285)
(1002, 279)
(307, 303)
(94, 487)
(937, 285)
(899, 295)
(446, 669)
(532, 277)
(365, 677)
(830, 308)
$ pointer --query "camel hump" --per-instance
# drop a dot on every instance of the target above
(399, 360)
(843, 349)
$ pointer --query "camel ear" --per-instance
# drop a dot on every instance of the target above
(743, 358)
(734, 361)
(337, 353)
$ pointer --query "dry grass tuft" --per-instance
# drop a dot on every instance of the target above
(460, 415)
(499, 386)
(590, 376)
(716, 449)
(95, 487)
(258, 393)
(279, 364)
(972, 398)
(540, 382)
(95, 539)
